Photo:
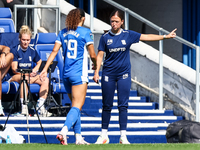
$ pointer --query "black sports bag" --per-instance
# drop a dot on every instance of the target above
(183, 131)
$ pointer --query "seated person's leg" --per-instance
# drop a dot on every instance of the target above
(44, 87)
(17, 78)
(1, 108)
(3, 70)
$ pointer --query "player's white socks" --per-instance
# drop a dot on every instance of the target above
(104, 132)
(41, 102)
(78, 137)
(123, 132)
(64, 130)
(22, 101)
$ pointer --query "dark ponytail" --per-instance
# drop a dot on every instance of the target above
(74, 18)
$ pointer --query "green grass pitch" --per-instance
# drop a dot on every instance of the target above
(182, 146)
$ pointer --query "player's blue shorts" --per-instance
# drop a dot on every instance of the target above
(76, 80)
(8, 76)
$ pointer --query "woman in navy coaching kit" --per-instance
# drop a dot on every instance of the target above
(74, 40)
(116, 71)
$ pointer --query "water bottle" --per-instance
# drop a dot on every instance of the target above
(8, 140)
(0, 140)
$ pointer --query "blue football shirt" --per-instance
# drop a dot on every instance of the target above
(116, 47)
(74, 51)
(26, 58)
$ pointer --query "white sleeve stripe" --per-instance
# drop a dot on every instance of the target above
(88, 43)
(58, 42)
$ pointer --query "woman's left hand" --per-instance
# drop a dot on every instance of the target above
(33, 74)
(171, 34)
(96, 78)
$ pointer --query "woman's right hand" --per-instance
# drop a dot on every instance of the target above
(2, 61)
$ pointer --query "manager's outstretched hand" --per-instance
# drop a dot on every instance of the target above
(171, 34)
(155, 37)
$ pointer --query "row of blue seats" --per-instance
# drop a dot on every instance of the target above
(6, 22)
(43, 43)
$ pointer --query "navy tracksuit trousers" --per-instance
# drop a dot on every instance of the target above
(109, 84)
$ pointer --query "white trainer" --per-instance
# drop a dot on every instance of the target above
(42, 112)
(123, 140)
(46, 114)
(102, 140)
(24, 109)
(1, 111)
(82, 142)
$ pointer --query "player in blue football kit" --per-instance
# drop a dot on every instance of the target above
(24, 58)
(117, 71)
(5, 62)
(74, 40)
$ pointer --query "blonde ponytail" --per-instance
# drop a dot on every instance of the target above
(25, 30)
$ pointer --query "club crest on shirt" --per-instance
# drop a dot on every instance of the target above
(106, 78)
(2, 30)
(125, 76)
(110, 41)
(123, 42)
(30, 59)
(91, 36)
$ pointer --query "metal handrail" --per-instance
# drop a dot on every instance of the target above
(161, 31)
(36, 7)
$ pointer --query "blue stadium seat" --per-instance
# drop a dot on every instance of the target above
(5, 13)
(13, 87)
(34, 88)
(44, 43)
(5, 87)
(6, 22)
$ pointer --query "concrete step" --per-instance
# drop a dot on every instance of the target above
(97, 92)
(94, 104)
